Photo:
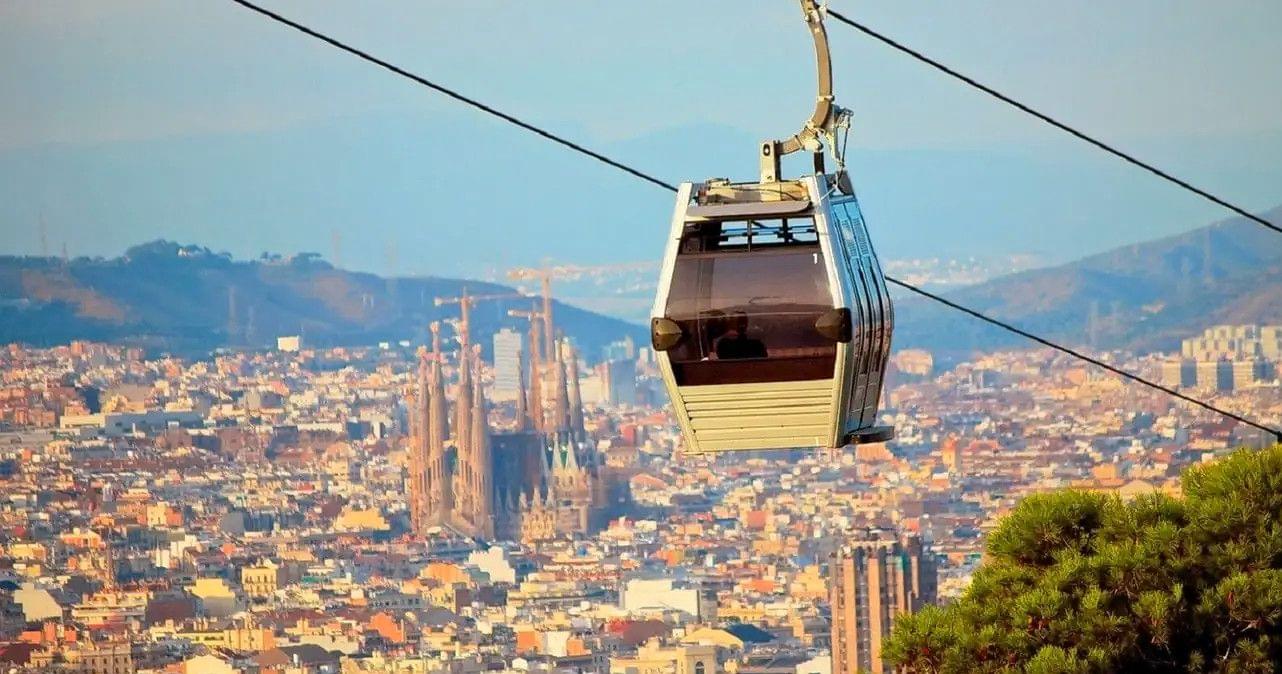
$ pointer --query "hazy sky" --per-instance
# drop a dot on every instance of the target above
(126, 121)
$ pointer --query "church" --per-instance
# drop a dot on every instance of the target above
(542, 479)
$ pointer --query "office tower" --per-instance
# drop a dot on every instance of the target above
(623, 349)
(1235, 342)
(509, 347)
(1179, 373)
(1250, 372)
(620, 382)
(1214, 375)
(874, 579)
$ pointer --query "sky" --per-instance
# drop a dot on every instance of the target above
(205, 123)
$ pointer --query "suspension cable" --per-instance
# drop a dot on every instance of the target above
(1276, 432)
(1076, 133)
(451, 93)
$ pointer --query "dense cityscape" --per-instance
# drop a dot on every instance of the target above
(407, 508)
(975, 368)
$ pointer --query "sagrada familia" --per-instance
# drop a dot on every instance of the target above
(541, 480)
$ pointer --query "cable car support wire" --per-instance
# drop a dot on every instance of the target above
(1130, 159)
(637, 173)
(452, 94)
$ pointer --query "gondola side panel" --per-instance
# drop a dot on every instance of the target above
(842, 297)
(660, 308)
(871, 292)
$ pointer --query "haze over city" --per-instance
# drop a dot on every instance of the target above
(146, 120)
(369, 339)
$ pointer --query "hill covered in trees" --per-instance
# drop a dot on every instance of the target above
(188, 299)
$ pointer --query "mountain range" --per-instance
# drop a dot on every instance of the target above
(1144, 297)
(187, 299)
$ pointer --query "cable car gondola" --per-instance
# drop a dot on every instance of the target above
(772, 322)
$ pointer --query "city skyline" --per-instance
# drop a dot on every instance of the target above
(262, 485)
(367, 339)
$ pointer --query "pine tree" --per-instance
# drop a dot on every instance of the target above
(1084, 582)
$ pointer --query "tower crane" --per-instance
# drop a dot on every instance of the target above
(466, 302)
(545, 275)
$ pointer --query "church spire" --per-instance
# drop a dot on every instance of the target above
(419, 477)
(576, 397)
(482, 463)
(463, 469)
(571, 458)
(536, 380)
(439, 502)
(561, 409)
(547, 466)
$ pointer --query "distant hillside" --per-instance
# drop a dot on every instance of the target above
(1146, 296)
(176, 298)
(187, 299)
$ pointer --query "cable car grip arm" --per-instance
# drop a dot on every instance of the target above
(827, 116)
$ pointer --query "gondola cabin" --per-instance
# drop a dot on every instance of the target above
(772, 321)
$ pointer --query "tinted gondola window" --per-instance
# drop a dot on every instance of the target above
(746, 295)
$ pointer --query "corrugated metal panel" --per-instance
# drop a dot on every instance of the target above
(760, 416)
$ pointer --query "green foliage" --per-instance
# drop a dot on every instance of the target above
(1077, 583)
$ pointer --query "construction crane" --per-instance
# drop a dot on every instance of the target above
(466, 302)
(563, 271)
(535, 318)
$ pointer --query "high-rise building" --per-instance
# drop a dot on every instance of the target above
(1235, 342)
(1271, 342)
(509, 350)
(620, 379)
(1226, 357)
(1214, 375)
(874, 579)
(1178, 373)
(1249, 372)
(623, 349)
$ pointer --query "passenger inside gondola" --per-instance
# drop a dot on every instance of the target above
(735, 343)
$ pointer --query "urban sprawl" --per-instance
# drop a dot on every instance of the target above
(415, 509)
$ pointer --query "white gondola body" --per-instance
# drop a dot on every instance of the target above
(789, 398)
